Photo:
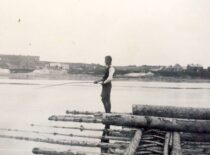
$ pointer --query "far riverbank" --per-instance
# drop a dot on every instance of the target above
(88, 77)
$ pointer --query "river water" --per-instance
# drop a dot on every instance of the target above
(32, 101)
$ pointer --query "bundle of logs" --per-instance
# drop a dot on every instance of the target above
(155, 130)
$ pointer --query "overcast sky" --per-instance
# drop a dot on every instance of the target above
(134, 32)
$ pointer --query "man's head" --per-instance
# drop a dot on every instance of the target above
(108, 60)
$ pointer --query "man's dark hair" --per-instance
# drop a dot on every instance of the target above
(109, 58)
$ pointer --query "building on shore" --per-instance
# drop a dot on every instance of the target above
(19, 63)
(58, 66)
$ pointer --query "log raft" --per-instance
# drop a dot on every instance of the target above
(149, 130)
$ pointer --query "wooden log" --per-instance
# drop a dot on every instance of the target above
(170, 141)
(82, 128)
(166, 144)
(75, 112)
(68, 142)
(162, 123)
(172, 112)
(134, 143)
(47, 151)
(79, 119)
(96, 114)
(70, 135)
(176, 148)
(195, 137)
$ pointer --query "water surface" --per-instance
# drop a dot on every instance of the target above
(32, 101)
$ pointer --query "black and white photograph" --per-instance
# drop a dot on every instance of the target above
(104, 77)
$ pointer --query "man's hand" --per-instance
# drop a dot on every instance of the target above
(95, 82)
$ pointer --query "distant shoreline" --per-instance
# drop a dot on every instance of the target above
(88, 77)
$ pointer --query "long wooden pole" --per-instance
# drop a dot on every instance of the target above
(131, 150)
(75, 112)
(75, 119)
(172, 112)
(165, 124)
(82, 128)
(97, 113)
(166, 144)
(112, 132)
(69, 135)
(68, 142)
(47, 151)
(176, 148)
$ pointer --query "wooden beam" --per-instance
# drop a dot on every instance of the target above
(97, 113)
(161, 123)
(176, 147)
(172, 111)
(117, 138)
(75, 112)
(166, 144)
(68, 142)
(134, 143)
(80, 119)
(47, 151)
(82, 128)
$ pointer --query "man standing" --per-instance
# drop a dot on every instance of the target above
(105, 95)
(106, 84)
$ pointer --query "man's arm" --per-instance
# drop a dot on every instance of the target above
(98, 81)
(110, 77)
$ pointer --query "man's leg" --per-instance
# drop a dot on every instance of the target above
(108, 104)
(105, 132)
(104, 101)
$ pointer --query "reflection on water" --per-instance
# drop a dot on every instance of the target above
(29, 101)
